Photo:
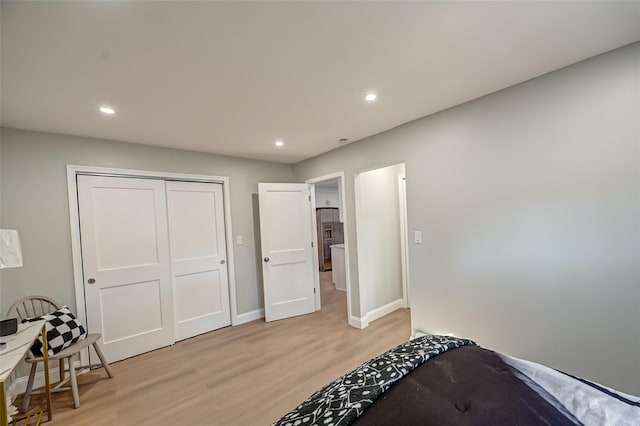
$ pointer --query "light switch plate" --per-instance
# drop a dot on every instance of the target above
(417, 237)
(239, 240)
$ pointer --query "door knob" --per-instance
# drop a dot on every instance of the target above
(222, 262)
(266, 259)
(91, 281)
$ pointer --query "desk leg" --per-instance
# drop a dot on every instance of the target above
(47, 381)
(3, 406)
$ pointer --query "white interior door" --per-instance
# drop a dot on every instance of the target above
(287, 255)
(198, 257)
(125, 258)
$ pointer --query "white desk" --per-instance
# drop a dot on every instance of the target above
(17, 346)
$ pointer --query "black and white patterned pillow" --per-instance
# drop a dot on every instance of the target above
(63, 330)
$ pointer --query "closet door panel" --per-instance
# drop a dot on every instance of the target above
(198, 257)
(126, 265)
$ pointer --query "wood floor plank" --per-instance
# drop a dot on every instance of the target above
(246, 375)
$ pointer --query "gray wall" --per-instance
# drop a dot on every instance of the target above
(529, 200)
(378, 230)
(33, 188)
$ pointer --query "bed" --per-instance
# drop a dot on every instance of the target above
(443, 380)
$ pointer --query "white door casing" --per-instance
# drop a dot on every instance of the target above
(404, 240)
(287, 255)
(198, 257)
(315, 262)
(125, 256)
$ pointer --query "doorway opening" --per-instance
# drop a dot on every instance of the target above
(330, 239)
(381, 226)
(329, 227)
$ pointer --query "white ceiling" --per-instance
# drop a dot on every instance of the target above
(231, 78)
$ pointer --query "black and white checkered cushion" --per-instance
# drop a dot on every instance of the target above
(63, 330)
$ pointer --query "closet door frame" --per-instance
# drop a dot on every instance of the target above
(74, 222)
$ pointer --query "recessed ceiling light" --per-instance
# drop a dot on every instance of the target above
(344, 141)
(279, 143)
(107, 110)
(371, 97)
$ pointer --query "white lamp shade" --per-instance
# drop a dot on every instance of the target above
(10, 249)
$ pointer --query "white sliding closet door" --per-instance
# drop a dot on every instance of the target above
(126, 266)
(198, 257)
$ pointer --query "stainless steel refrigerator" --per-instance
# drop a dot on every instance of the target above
(330, 232)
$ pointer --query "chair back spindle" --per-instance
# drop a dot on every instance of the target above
(30, 307)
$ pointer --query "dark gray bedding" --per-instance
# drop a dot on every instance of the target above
(441, 380)
(346, 398)
(466, 386)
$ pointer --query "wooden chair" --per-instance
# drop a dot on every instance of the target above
(34, 306)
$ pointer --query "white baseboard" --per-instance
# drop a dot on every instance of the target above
(19, 385)
(369, 317)
(358, 322)
(249, 316)
(417, 334)
(384, 310)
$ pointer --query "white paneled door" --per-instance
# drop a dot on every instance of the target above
(198, 257)
(125, 257)
(285, 227)
(154, 261)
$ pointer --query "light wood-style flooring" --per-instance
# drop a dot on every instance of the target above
(246, 375)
